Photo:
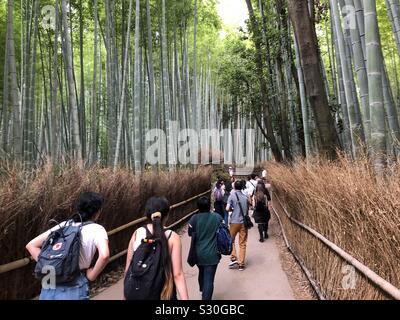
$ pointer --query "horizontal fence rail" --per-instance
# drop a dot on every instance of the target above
(18, 264)
(308, 274)
(122, 253)
(381, 283)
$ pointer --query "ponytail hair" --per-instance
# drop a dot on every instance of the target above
(261, 192)
(260, 196)
(156, 210)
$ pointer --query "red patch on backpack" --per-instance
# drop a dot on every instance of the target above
(57, 246)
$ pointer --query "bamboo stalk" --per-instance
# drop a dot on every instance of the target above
(126, 226)
(188, 200)
(182, 219)
(15, 265)
(118, 255)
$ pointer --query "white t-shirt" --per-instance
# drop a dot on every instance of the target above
(250, 187)
(91, 235)
(141, 234)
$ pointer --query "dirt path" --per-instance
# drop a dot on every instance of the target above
(263, 279)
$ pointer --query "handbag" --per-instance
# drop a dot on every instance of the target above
(248, 224)
(192, 256)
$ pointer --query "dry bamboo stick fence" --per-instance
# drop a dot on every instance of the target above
(381, 284)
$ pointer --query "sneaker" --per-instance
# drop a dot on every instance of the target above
(261, 240)
(241, 268)
(233, 263)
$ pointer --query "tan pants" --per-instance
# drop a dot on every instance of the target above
(234, 229)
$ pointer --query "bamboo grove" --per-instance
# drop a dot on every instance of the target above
(86, 80)
(321, 76)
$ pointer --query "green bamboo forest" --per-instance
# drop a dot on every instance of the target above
(85, 80)
(93, 93)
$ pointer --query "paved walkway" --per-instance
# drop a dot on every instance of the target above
(263, 278)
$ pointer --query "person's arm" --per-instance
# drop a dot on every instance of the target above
(270, 205)
(229, 206)
(176, 258)
(129, 254)
(35, 245)
(269, 200)
(102, 260)
(249, 199)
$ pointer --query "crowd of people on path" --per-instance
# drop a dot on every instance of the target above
(154, 267)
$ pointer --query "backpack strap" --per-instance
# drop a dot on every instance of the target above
(240, 206)
(170, 234)
(147, 231)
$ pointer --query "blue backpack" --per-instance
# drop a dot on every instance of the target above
(224, 240)
(61, 252)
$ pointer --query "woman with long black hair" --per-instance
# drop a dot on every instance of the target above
(156, 210)
(262, 215)
(219, 193)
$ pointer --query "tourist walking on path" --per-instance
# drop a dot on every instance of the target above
(238, 204)
(173, 280)
(262, 205)
(205, 225)
(219, 192)
(92, 237)
(228, 190)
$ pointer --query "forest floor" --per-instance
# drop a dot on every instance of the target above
(271, 273)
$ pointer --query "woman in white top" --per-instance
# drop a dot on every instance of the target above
(156, 210)
(93, 237)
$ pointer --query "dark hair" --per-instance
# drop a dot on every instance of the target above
(156, 204)
(261, 191)
(253, 176)
(219, 184)
(261, 186)
(238, 185)
(153, 205)
(204, 204)
(228, 187)
(88, 204)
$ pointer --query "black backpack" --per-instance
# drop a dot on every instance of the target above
(61, 252)
(145, 277)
